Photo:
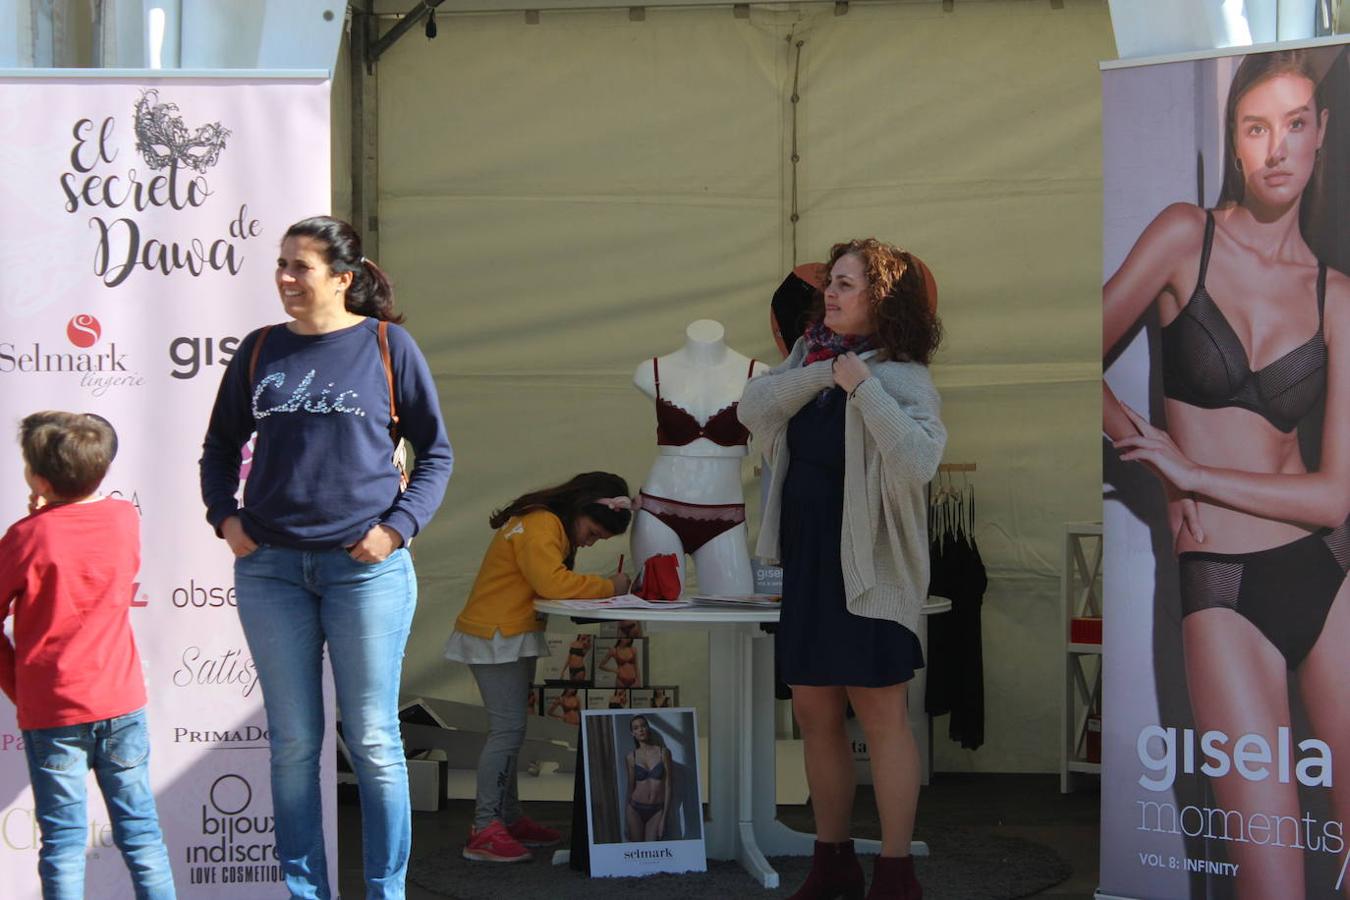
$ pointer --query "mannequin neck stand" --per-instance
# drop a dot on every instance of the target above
(704, 344)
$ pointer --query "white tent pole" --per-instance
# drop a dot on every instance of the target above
(163, 24)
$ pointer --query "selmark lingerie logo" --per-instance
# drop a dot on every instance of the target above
(123, 204)
(99, 367)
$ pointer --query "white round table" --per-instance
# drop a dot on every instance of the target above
(742, 803)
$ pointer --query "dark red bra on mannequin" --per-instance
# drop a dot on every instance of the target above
(676, 427)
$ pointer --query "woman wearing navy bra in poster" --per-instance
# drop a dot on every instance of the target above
(1250, 441)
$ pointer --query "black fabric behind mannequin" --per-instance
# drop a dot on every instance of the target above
(942, 653)
(955, 640)
(967, 723)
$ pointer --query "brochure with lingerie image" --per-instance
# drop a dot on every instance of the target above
(620, 662)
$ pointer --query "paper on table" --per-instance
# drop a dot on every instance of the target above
(623, 601)
(768, 601)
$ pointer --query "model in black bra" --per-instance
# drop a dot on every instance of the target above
(1205, 364)
(575, 669)
(1263, 629)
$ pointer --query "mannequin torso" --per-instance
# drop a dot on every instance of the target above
(700, 448)
(704, 379)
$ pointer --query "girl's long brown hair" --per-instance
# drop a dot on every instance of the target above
(578, 496)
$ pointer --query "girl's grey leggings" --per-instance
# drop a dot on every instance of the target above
(505, 688)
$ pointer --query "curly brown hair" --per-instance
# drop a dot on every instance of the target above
(906, 322)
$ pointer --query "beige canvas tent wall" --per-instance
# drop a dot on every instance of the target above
(558, 200)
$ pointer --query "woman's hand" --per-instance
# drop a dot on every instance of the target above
(241, 544)
(1182, 512)
(621, 582)
(379, 542)
(661, 824)
(1155, 449)
(849, 371)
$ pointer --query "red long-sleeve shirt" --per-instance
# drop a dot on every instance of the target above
(67, 575)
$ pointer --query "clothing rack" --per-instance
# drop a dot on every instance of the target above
(942, 486)
(955, 673)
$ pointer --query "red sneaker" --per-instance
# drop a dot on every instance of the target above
(495, 844)
(532, 834)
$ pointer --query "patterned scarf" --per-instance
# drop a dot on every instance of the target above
(822, 343)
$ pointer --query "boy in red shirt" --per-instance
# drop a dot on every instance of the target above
(66, 574)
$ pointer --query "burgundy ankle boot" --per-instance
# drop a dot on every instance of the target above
(893, 879)
(835, 874)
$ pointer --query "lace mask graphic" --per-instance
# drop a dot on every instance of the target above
(163, 139)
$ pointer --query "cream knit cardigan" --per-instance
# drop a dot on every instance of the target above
(893, 441)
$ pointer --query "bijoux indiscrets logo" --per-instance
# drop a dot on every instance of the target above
(162, 138)
(237, 844)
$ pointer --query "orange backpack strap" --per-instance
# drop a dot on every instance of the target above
(383, 331)
(257, 349)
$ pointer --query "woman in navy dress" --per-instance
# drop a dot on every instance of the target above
(849, 423)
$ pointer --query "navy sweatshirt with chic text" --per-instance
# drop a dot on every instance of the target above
(321, 475)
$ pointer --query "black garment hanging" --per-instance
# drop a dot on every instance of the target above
(942, 582)
(955, 641)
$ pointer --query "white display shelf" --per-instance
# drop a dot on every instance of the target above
(1081, 591)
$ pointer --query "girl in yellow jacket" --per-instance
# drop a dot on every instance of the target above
(501, 638)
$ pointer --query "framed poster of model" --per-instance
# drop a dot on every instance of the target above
(642, 807)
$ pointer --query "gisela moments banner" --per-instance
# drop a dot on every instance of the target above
(1227, 475)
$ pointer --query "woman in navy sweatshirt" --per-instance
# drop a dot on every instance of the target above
(320, 543)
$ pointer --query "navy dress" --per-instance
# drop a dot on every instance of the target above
(818, 641)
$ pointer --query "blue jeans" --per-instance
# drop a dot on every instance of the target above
(292, 602)
(118, 750)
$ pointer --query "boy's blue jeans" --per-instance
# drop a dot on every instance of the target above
(118, 750)
(292, 603)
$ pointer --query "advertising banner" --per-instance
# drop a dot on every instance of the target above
(643, 813)
(1226, 469)
(139, 225)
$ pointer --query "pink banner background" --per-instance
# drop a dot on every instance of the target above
(83, 286)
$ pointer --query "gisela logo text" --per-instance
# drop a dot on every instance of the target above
(1251, 756)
